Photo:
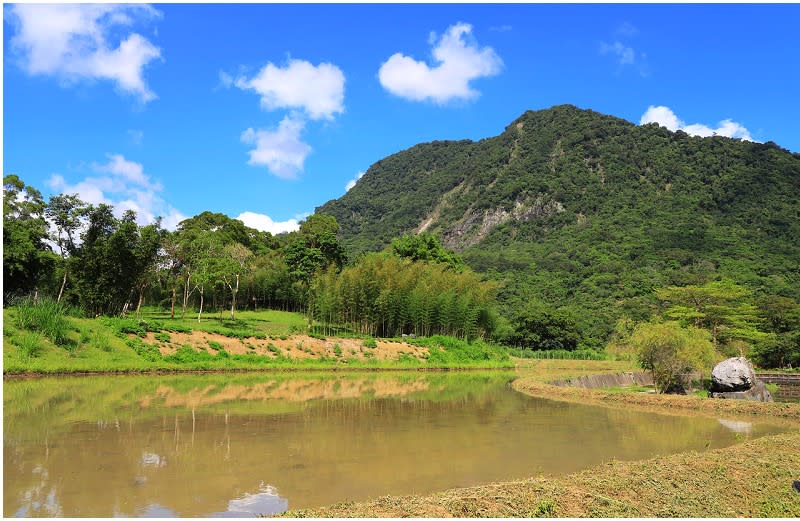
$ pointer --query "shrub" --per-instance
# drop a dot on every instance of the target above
(44, 316)
(216, 346)
(370, 342)
(162, 337)
(186, 355)
(445, 350)
(670, 352)
(99, 340)
(147, 351)
(30, 345)
(337, 350)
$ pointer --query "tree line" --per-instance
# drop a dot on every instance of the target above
(86, 256)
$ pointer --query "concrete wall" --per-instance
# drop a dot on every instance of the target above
(597, 381)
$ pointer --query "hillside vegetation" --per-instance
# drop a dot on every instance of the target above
(590, 214)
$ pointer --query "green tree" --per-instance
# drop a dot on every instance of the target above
(781, 319)
(66, 213)
(312, 249)
(233, 264)
(670, 352)
(26, 255)
(426, 247)
(722, 307)
(543, 327)
(113, 257)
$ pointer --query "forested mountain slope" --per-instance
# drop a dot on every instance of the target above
(590, 212)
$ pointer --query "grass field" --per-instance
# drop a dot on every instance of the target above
(46, 339)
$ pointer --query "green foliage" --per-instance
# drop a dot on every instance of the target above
(721, 307)
(113, 256)
(216, 346)
(314, 248)
(370, 343)
(27, 259)
(559, 354)
(162, 337)
(148, 352)
(30, 344)
(545, 508)
(187, 355)
(100, 340)
(428, 248)
(542, 327)
(591, 212)
(337, 350)
(446, 351)
(383, 295)
(781, 350)
(670, 352)
(44, 316)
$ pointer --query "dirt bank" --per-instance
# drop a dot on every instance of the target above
(294, 346)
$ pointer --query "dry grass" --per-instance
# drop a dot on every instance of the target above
(662, 403)
(749, 479)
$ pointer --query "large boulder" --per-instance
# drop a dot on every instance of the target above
(757, 393)
(733, 375)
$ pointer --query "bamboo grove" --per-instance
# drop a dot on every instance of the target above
(387, 296)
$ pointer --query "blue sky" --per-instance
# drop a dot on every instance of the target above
(271, 110)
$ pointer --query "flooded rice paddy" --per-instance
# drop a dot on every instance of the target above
(241, 445)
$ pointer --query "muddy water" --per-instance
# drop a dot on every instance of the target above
(259, 444)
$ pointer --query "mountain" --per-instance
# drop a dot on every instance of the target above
(588, 211)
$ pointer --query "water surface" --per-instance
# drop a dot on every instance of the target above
(239, 445)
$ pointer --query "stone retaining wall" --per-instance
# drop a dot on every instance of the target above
(597, 381)
(779, 378)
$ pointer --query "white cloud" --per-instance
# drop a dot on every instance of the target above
(225, 79)
(126, 187)
(281, 150)
(626, 55)
(351, 183)
(71, 42)
(135, 136)
(318, 90)
(665, 117)
(127, 170)
(627, 30)
(265, 223)
(457, 62)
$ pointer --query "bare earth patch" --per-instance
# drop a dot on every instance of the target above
(295, 346)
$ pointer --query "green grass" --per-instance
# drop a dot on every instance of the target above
(446, 351)
(45, 316)
(258, 324)
(119, 345)
(30, 345)
(558, 354)
(629, 389)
